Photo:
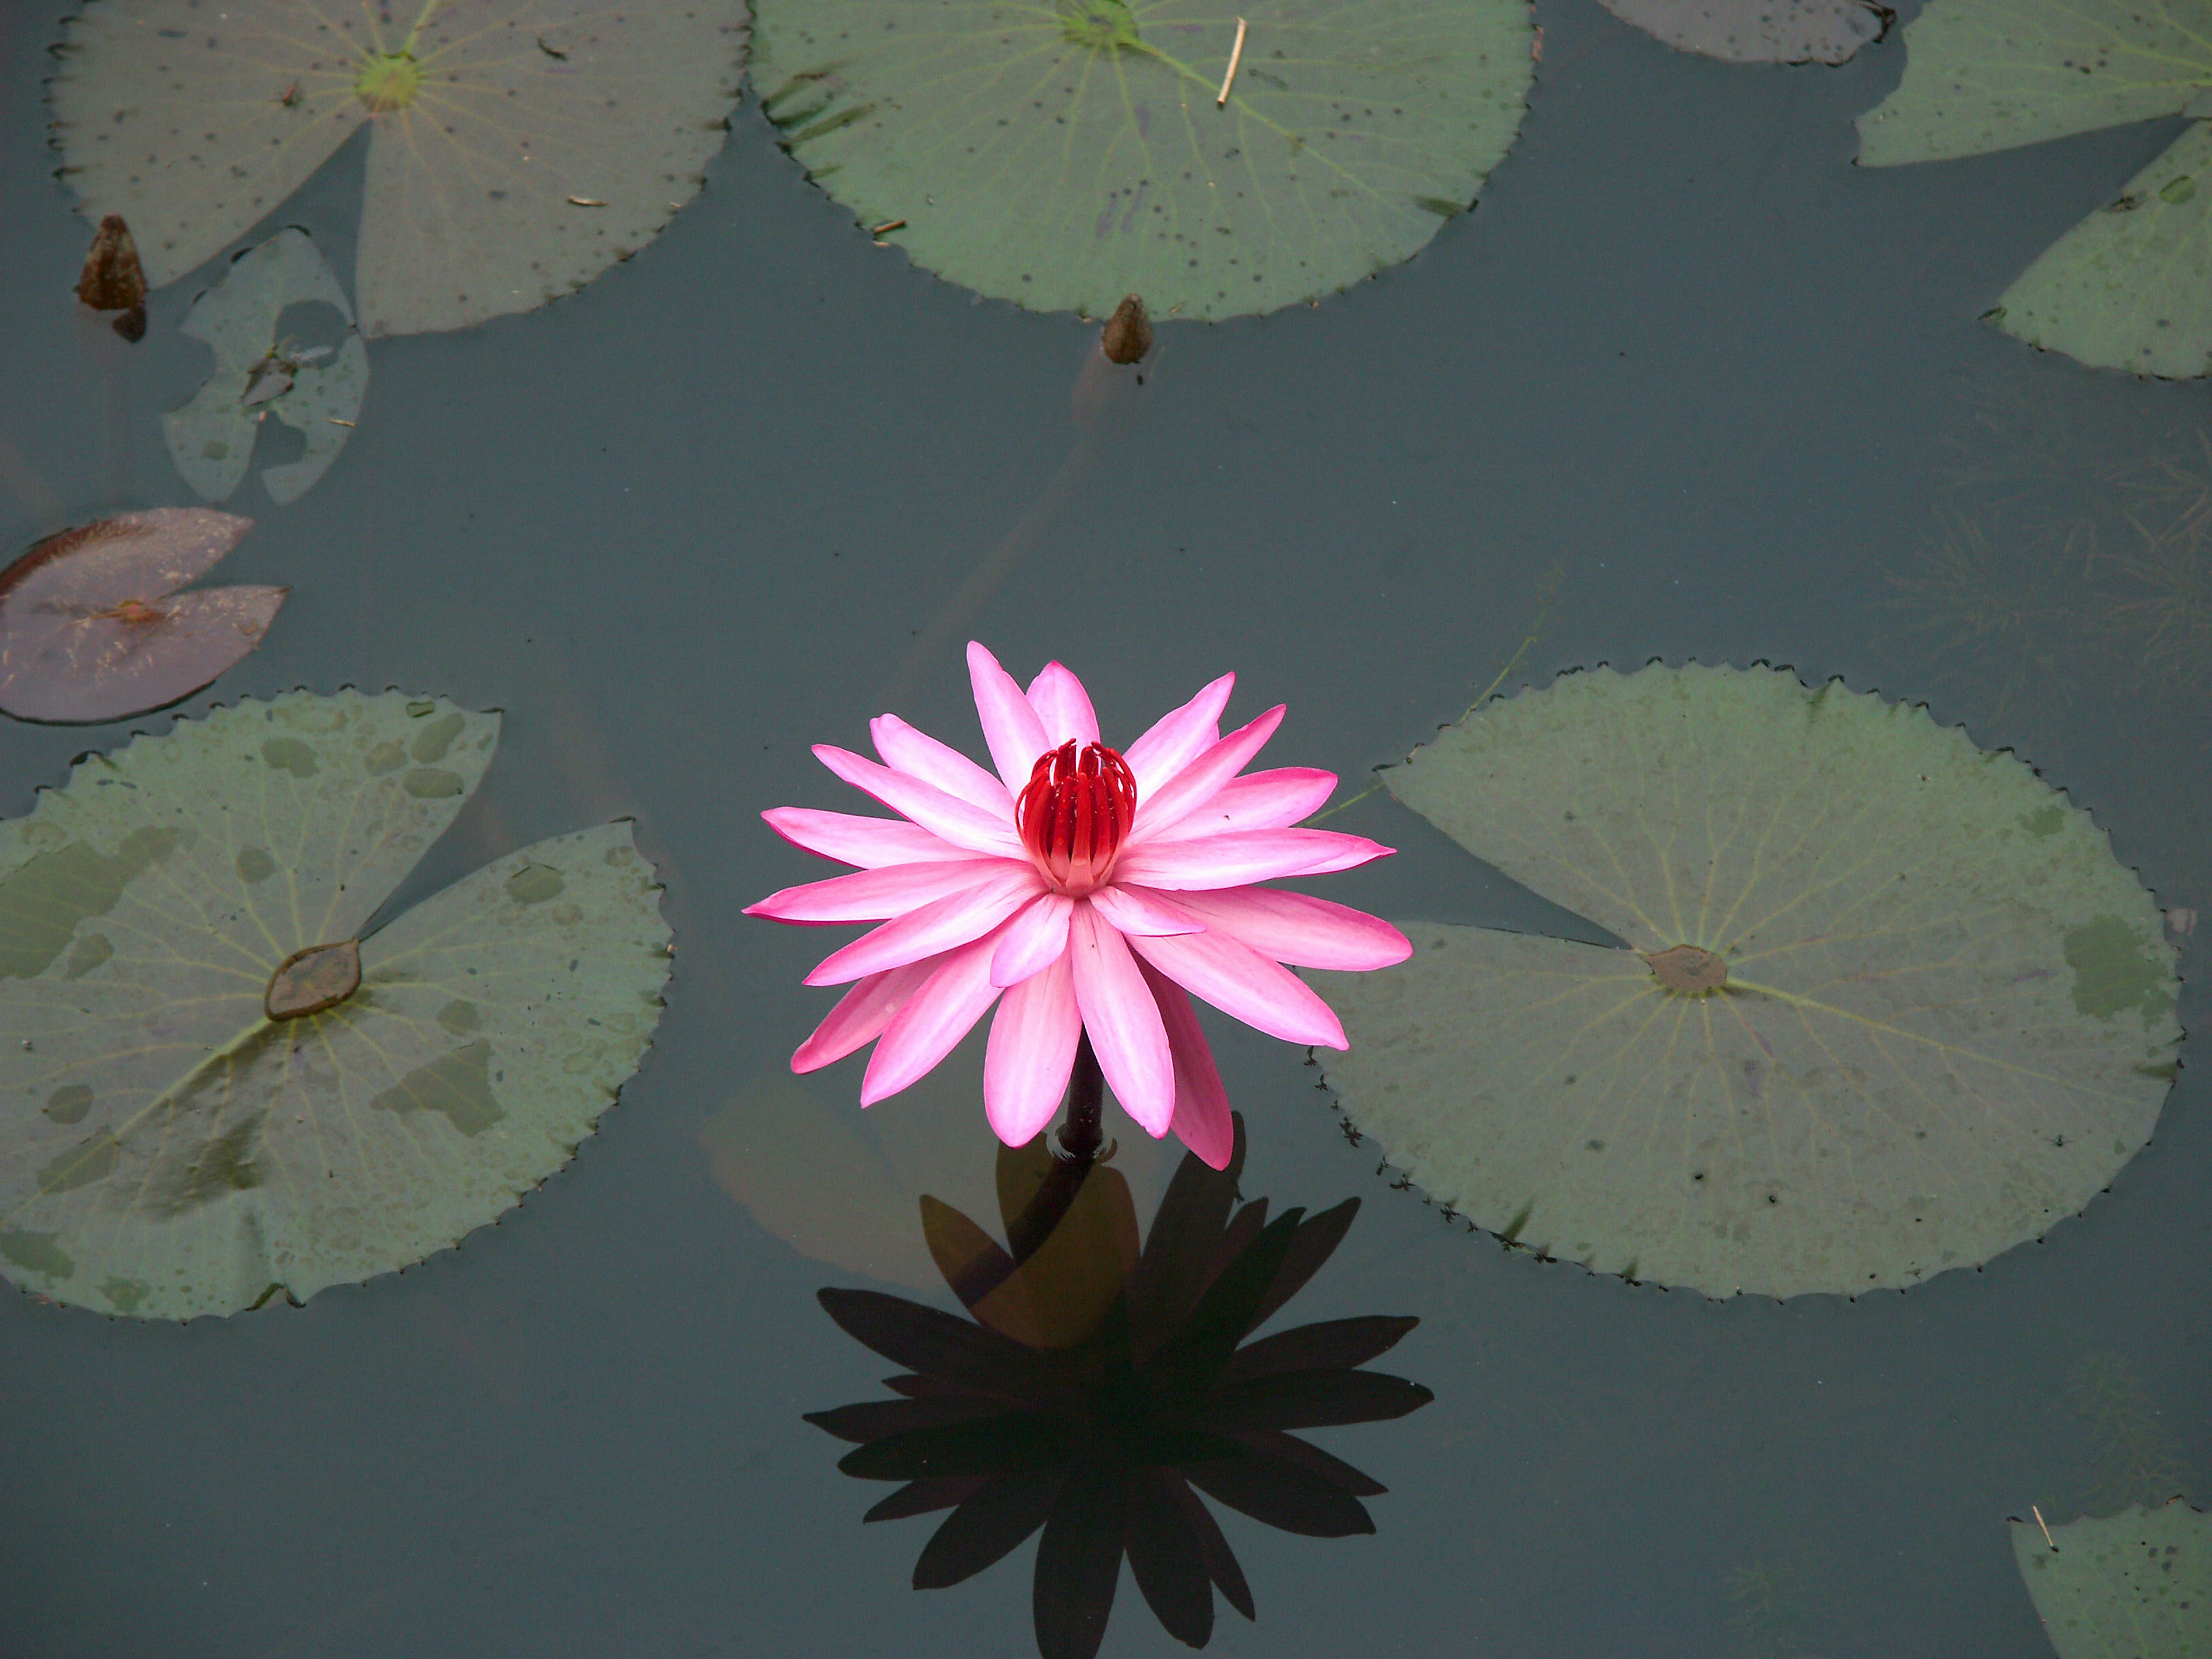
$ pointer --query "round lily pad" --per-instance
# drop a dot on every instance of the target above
(1759, 31)
(218, 1083)
(1062, 154)
(92, 626)
(2135, 1585)
(1887, 1004)
(520, 147)
(2128, 286)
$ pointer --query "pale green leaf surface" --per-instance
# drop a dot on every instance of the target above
(2130, 287)
(1985, 75)
(2135, 1585)
(1949, 1018)
(211, 438)
(165, 1149)
(194, 124)
(1064, 155)
(1756, 31)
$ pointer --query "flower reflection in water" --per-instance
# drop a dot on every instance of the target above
(1099, 1383)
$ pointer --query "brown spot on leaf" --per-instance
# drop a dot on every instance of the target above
(1686, 969)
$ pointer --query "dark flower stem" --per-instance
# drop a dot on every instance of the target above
(1081, 1135)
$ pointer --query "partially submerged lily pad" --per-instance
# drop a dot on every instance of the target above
(1759, 31)
(1941, 1018)
(2135, 1585)
(1062, 155)
(520, 147)
(92, 626)
(316, 392)
(2119, 290)
(167, 1148)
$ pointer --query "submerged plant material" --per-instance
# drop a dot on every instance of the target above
(1946, 1019)
(1063, 156)
(92, 626)
(114, 279)
(518, 146)
(2135, 1585)
(1760, 31)
(1100, 1388)
(2130, 287)
(217, 1085)
(2131, 1458)
(317, 392)
(1094, 888)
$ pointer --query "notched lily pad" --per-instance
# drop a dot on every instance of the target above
(1062, 155)
(316, 391)
(1889, 1004)
(2135, 1585)
(92, 626)
(1759, 31)
(197, 1111)
(2130, 287)
(518, 146)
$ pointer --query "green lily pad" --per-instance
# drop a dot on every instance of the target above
(2135, 1585)
(520, 147)
(1887, 1005)
(316, 394)
(2125, 287)
(1758, 31)
(1063, 153)
(218, 1083)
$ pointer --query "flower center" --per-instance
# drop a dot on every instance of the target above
(1075, 812)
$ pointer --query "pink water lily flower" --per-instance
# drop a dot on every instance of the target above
(1090, 889)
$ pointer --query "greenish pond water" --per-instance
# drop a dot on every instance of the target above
(1686, 384)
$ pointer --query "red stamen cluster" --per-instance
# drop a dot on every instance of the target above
(1074, 813)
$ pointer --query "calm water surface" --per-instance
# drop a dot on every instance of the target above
(1688, 385)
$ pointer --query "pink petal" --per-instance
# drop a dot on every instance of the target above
(1300, 929)
(1035, 940)
(1063, 706)
(937, 926)
(932, 1021)
(849, 839)
(1243, 856)
(1246, 986)
(860, 1015)
(1258, 800)
(1132, 910)
(1177, 736)
(1202, 779)
(1031, 1052)
(1201, 1108)
(1124, 1022)
(1011, 729)
(947, 816)
(875, 895)
(920, 755)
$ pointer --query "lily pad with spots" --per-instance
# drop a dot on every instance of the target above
(1759, 31)
(1885, 1004)
(93, 627)
(1062, 154)
(518, 148)
(219, 1082)
(315, 391)
(2135, 1585)
(2130, 287)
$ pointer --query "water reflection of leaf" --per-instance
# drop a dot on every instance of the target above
(2131, 1458)
(1141, 1392)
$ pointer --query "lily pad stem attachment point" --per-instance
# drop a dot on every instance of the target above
(310, 981)
(1686, 969)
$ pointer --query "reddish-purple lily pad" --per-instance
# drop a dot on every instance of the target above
(92, 627)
